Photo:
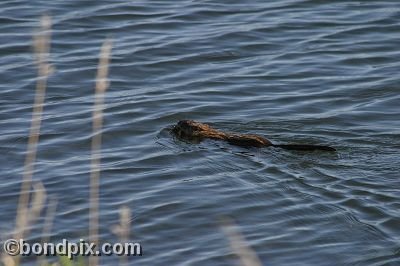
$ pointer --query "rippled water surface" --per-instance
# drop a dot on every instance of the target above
(322, 72)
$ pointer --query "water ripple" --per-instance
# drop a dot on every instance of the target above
(293, 71)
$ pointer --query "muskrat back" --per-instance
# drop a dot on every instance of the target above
(195, 131)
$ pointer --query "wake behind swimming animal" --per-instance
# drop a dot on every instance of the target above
(196, 132)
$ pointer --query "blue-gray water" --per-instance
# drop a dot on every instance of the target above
(322, 72)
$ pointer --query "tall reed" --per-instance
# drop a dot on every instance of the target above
(101, 86)
(26, 216)
(122, 230)
(246, 255)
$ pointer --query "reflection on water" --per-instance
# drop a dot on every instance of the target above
(293, 71)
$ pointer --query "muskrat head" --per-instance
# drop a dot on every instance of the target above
(190, 129)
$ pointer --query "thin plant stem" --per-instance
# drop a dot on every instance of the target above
(101, 87)
(42, 47)
(246, 255)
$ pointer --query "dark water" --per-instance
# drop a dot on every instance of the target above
(295, 71)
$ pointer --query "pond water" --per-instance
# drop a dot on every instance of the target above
(293, 71)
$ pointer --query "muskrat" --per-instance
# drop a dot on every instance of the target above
(196, 132)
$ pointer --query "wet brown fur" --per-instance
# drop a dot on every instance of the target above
(196, 132)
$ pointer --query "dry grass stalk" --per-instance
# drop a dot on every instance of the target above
(47, 226)
(8, 261)
(48, 222)
(238, 244)
(101, 87)
(122, 230)
(38, 201)
(42, 47)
